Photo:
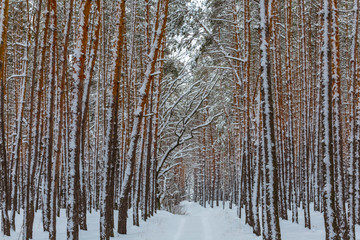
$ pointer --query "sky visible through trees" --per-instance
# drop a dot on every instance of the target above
(122, 109)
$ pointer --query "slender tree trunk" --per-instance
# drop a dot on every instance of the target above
(330, 218)
(75, 125)
(353, 156)
(111, 141)
(53, 167)
(4, 191)
(270, 161)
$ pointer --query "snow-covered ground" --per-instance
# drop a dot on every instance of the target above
(198, 223)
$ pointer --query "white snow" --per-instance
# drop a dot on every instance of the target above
(198, 223)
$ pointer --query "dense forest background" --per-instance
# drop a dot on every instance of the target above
(111, 105)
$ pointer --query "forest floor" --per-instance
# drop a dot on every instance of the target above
(195, 223)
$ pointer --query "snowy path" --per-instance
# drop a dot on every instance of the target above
(207, 231)
(197, 224)
(217, 224)
(190, 228)
(193, 228)
(180, 230)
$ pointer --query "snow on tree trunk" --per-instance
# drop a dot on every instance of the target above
(78, 78)
(52, 167)
(354, 128)
(111, 137)
(270, 171)
(29, 165)
(4, 191)
(331, 223)
(337, 125)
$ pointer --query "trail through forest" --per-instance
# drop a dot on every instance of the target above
(116, 114)
(193, 222)
(199, 223)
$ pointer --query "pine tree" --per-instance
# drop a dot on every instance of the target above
(269, 170)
